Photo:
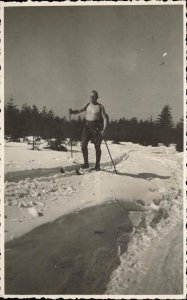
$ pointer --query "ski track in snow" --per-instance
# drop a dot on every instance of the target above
(20, 194)
(25, 192)
(160, 167)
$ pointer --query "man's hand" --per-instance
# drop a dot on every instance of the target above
(103, 133)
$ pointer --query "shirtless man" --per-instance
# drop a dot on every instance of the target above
(95, 126)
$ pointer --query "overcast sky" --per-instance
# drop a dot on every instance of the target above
(133, 56)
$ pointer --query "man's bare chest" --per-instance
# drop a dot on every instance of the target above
(93, 109)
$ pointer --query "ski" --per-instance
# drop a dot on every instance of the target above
(78, 170)
(81, 171)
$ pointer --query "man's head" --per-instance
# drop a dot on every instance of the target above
(94, 96)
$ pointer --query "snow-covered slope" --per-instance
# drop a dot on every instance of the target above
(149, 184)
(19, 156)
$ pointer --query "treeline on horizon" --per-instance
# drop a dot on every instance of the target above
(29, 121)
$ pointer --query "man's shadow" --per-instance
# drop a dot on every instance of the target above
(148, 176)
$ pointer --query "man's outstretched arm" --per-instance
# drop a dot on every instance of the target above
(77, 111)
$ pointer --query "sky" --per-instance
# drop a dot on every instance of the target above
(132, 55)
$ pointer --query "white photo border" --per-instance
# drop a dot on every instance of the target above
(85, 3)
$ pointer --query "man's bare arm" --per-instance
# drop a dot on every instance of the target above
(77, 111)
(105, 119)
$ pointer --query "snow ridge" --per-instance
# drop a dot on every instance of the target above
(153, 227)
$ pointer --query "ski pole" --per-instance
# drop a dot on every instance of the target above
(110, 157)
(70, 134)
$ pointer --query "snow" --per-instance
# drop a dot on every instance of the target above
(171, 200)
(149, 184)
(27, 159)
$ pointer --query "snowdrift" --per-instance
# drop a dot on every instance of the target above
(149, 185)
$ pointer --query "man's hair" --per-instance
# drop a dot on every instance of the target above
(95, 93)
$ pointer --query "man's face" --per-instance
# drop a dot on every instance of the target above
(93, 97)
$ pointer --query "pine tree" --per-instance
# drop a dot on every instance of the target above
(77, 128)
(179, 135)
(165, 125)
(165, 119)
(35, 127)
(44, 127)
(25, 120)
(12, 120)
